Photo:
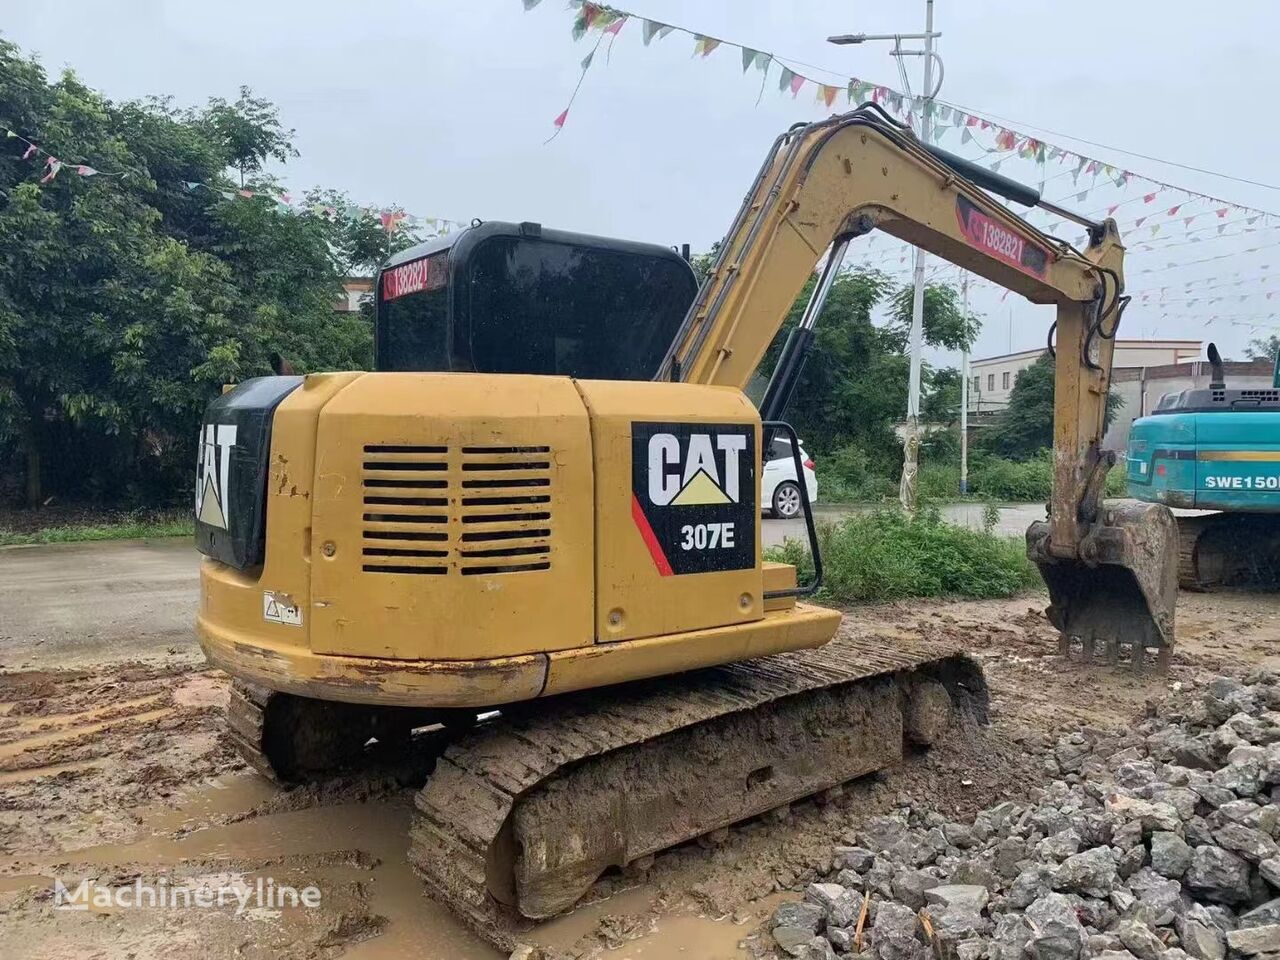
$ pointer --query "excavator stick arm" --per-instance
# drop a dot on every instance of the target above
(825, 183)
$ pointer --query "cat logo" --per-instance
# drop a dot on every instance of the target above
(705, 472)
(693, 493)
(213, 468)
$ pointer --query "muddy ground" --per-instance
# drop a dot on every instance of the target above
(118, 771)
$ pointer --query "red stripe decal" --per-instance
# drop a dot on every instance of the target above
(650, 541)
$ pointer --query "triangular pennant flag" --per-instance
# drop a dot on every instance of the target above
(191, 186)
(530, 4)
(748, 58)
(704, 45)
(247, 194)
(586, 61)
(1221, 227)
(86, 171)
(652, 29)
(1221, 213)
(971, 121)
(1148, 198)
(1112, 209)
(1082, 196)
(1186, 221)
(827, 94)
(965, 135)
(227, 194)
(9, 133)
(53, 165)
(797, 81)
(558, 123)
(31, 149)
(617, 25)
(1173, 211)
(784, 81)
(1138, 222)
(996, 166)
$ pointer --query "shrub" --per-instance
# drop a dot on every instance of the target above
(846, 475)
(994, 478)
(938, 481)
(886, 555)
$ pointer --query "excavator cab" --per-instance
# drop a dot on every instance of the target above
(518, 298)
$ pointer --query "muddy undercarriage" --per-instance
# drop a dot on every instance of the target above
(522, 813)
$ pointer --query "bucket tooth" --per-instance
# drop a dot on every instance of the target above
(1122, 589)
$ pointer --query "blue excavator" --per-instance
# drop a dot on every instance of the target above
(1215, 449)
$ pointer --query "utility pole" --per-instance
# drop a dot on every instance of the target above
(964, 394)
(911, 442)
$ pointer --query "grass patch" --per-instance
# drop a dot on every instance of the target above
(122, 530)
(887, 555)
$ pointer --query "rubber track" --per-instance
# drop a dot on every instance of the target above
(478, 781)
(246, 710)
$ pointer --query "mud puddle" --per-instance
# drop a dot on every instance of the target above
(120, 772)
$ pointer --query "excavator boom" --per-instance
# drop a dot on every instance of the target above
(1111, 572)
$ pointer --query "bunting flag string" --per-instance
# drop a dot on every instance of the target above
(390, 219)
(52, 164)
(590, 16)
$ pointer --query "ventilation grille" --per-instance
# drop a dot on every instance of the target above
(405, 492)
(491, 517)
(505, 509)
(1264, 395)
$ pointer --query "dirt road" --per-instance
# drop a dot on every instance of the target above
(117, 771)
(98, 602)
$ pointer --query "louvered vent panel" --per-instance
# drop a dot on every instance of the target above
(505, 510)
(405, 506)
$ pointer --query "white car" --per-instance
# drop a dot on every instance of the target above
(779, 490)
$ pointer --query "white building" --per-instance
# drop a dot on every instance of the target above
(354, 290)
(992, 378)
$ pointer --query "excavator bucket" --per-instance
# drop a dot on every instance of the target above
(1119, 597)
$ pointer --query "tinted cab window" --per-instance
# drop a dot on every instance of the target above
(413, 316)
(553, 308)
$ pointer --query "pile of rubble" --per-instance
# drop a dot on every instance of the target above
(1155, 843)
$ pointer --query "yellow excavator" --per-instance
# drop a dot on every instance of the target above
(536, 525)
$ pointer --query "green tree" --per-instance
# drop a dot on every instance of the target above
(1263, 348)
(854, 385)
(248, 132)
(946, 323)
(1025, 426)
(940, 402)
(127, 299)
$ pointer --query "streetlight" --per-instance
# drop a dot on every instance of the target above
(911, 443)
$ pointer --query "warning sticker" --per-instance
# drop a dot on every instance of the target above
(280, 608)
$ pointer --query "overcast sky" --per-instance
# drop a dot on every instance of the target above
(444, 107)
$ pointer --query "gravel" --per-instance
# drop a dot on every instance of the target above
(1160, 841)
